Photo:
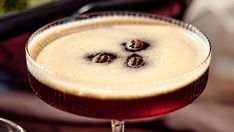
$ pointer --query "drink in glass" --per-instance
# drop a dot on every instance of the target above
(118, 65)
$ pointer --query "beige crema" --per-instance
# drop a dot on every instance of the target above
(173, 59)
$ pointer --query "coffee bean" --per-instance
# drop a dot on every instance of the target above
(135, 45)
(102, 57)
(135, 61)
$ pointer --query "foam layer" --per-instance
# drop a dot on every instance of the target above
(172, 59)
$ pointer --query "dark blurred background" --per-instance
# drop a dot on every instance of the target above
(213, 111)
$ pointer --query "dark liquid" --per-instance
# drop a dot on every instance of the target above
(120, 108)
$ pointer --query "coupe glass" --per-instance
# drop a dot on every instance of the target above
(116, 110)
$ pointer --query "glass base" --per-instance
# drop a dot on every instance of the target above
(117, 126)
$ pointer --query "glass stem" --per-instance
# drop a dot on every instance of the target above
(117, 126)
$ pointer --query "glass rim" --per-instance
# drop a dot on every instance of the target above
(184, 25)
(12, 124)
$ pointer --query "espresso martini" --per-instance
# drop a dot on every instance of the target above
(118, 67)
